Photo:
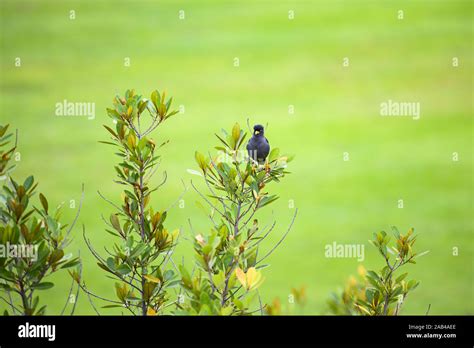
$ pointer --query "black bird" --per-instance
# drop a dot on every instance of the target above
(258, 146)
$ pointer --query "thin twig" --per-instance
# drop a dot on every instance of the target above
(260, 302)
(266, 234)
(208, 202)
(15, 309)
(192, 233)
(174, 265)
(84, 288)
(68, 296)
(11, 302)
(165, 178)
(78, 288)
(92, 303)
(109, 201)
(155, 169)
(75, 218)
(179, 198)
(282, 238)
(428, 310)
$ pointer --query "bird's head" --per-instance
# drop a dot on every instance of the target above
(258, 130)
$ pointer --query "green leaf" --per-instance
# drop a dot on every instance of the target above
(44, 202)
(4, 274)
(52, 225)
(141, 106)
(373, 275)
(113, 113)
(55, 256)
(401, 277)
(28, 182)
(223, 141)
(112, 306)
(123, 269)
(41, 311)
(142, 143)
(369, 293)
(412, 284)
(172, 113)
(273, 154)
(115, 222)
(111, 263)
(168, 275)
(43, 286)
(155, 98)
(186, 278)
(3, 130)
(111, 131)
(71, 263)
(395, 232)
(267, 200)
(104, 267)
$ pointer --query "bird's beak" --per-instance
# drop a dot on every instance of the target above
(257, 132)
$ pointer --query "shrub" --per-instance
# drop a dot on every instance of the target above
(228, 264)
(380, 292)
(139, 258)
(36, 237)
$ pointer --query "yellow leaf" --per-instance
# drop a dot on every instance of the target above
(241, 277)
(150, 311)
(201, 161)
(236, 132)
(175, 234)
(254, 278)
(155, 218)
(121, 290)
(250, 280)
(152, 279)
(132, 141)
(146, 201)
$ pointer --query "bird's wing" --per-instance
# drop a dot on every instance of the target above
(267, 141)
(250, 145)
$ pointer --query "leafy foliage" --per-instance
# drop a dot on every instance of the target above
(33, 241)
(381, 292)
(144, 245)
(344, 303)
(6, 151)
(228, 266)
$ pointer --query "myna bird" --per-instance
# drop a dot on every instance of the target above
(258, 146)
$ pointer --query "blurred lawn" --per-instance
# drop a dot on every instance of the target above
(282, 62)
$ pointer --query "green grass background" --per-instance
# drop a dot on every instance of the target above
(282, 62)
